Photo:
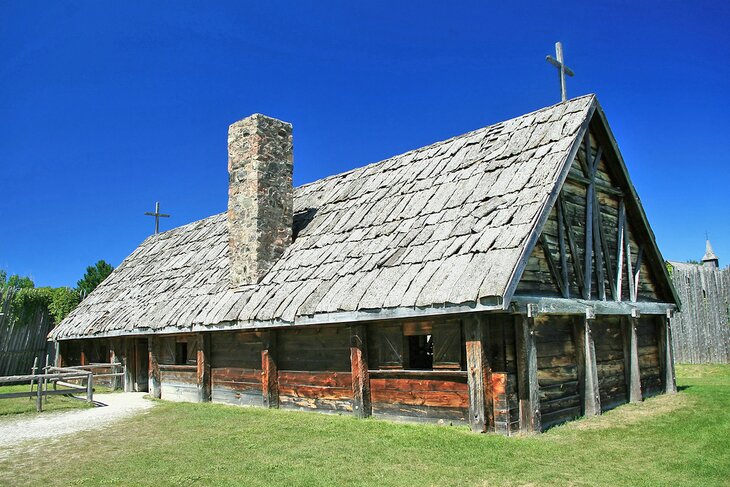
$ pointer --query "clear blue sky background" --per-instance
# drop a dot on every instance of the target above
(107, 107)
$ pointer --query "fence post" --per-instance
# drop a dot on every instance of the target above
(90, 388)
(39, 395)
(45, 382)
(32, 372)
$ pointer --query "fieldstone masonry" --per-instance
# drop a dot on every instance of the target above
(260, 196)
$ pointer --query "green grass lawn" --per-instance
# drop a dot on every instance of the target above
(683, 439)
(25, 405)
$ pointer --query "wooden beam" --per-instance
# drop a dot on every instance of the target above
(476, 374)
(361, 403)
(577, 270)
(587, 370)
(562, 306)
(606, 256)
(588, 254)
(562, 250)
(598, 248)
(153, 343)
(551, 265)
(203, 367)
(631, 359)
(629, 268)
(500, 402)
(116, 354)
(129, 366)
(620, 250)
(600, 185)
(666, 356)
(528, 387)
(637, 272)
(269, 371)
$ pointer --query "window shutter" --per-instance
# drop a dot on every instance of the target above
(390, 346)
(447, 345)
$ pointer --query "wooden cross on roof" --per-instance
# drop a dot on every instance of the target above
(562, 69)
(157, 216)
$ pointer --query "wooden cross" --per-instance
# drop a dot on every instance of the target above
(562, 69)
(157, 216)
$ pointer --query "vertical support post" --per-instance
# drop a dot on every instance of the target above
(631, 359)
(666, 354)
(154, 367)
(587, 369)
(39, 396)
(500, 403)
(269, 371)
(90, 388)
(57, 359)
(129, 365)
(203, 371)
(83, 358)
(476, 374)
(361, 404)
(114, 358)
(528, 387)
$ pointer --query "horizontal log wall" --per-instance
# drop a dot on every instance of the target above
(609, 345)
(314, 369)
(179, 382)
(647, 333)
(322, 391)
(701, 331)
(557, 372)
(236, 368)
(428, 396)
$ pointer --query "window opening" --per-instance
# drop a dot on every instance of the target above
(181, 353)
(420, 352)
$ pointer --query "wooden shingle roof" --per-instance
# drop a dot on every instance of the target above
(435, 230)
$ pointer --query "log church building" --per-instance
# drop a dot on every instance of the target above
(506, 279)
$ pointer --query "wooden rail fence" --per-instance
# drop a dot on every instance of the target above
(63, 377)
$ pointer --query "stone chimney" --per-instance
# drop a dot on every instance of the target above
(260, 196)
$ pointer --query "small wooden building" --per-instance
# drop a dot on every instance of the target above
(506, 278)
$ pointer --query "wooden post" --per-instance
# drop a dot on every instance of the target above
(39, 396)
(269, 371)
(90, 388)
(500, 403)
(114, 357)
(476, 374)
(666, 356)
(129, 365)
(528, 387)
(587, 370)
(361, 405)
(631, 360)
(154, 368)
(203, 372)
(83, 359)
(57, 359)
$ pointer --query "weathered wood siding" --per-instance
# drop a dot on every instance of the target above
(501, 358)
(701, 332)
(557, 372)
(314, 369)
(420, 395)
(538, 278)
(609, 345)
(647, 333)
(179, 382)
(236, 368)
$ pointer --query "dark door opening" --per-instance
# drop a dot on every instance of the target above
(141, 368)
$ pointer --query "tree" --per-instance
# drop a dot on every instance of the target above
(95, 274)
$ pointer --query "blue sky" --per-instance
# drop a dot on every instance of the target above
(107, 107)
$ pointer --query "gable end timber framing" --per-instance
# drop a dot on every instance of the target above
(571, 272)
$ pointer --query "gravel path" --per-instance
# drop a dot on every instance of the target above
(51, 425)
